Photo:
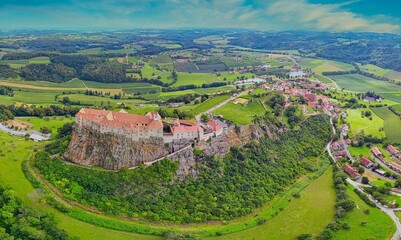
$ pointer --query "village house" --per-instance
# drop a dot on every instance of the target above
(364, 161)
(393, 151)
(377, 152)
(353, 172)
(340, 154)
(337, 146)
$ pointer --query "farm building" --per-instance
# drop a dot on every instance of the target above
(353, 172)
(376, 152)
(365, 162)
(393, 151)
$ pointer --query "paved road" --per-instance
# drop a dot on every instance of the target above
(12, 131)
(388, 211)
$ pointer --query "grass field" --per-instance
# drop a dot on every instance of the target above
(308, 214)
(392, 123)
(373, 69)
(394, 75)
(208, 104)
(379, 225)
(359, 123)
(360, 83)
(51, 122)
(99, 101)
(241, 115)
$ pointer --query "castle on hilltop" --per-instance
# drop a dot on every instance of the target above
(132, 126)
(137, 127)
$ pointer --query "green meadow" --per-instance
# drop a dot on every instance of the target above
(308, 214)
(360, 83)
(392, 123)
(378, 224)
(241, 115)
(361, 123)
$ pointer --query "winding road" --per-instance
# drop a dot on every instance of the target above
(357, 185)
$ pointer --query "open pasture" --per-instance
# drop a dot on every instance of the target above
(360, 83)
(308, 214)
(241, 115)
(392, 123)
(379, 225)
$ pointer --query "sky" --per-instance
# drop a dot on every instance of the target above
(316, 15)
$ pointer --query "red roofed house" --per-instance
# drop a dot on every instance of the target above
(340, 154)
(131, 125)
(265, 87)
(395, 166)
(366, 162)
(376, 152)
(337, 146)
(353, 172)
(310, 97)
(393, 151)
(183, 129)
(217, 129)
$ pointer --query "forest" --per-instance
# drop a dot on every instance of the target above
(221, 191)
(20, 222)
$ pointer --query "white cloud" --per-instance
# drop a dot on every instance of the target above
(328, 17)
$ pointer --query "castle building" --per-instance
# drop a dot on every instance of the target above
(131, 125)
(182, 129)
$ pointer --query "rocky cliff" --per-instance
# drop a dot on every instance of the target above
(111, 151)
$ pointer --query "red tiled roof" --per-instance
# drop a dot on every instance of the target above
(395, 166)
(392, 149)
(182, 126)
(122, 120)
(365, 161)
(351, 171)
(214, 125)
(376, 151)
(340, 153)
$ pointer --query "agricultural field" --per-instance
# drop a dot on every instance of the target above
(308, 214)
(320, 65)
(394, 75)
(360, 123)
(241, 115)
(392, 123)
(152, 73)
(75, 83)
(360, 83)
(98, 100)
(243, 61)
(373, 69)
(379, 225)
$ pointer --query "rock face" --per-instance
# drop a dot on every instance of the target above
(111, 151)
(233, 137)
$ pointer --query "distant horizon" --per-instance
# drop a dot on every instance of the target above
(113, 30)
(271, 15)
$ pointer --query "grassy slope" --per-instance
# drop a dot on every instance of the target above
(240, 115)
(368, 126)
(379, 225)
(308, 214)
(392, 123)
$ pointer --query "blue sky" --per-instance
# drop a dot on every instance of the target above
(317, 15)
